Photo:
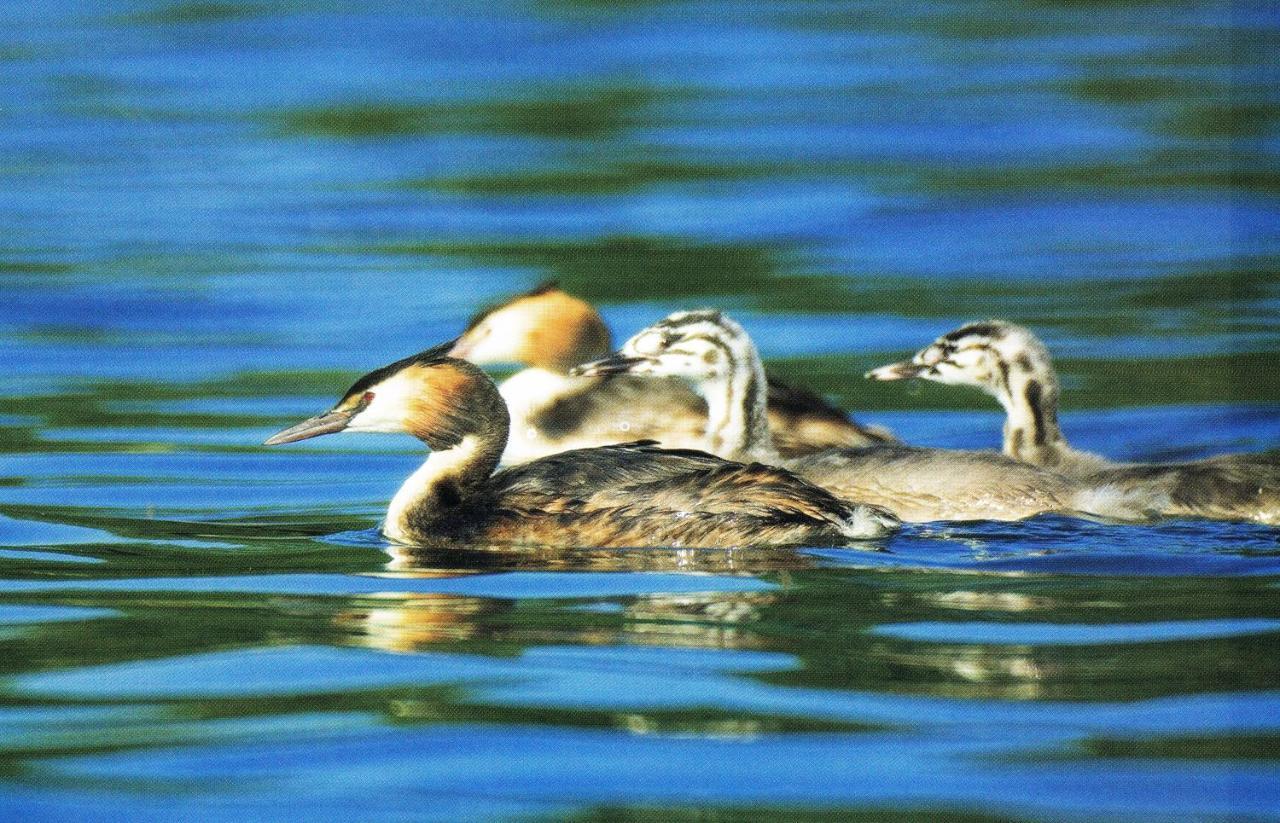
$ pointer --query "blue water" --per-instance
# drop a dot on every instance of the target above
(213, 215)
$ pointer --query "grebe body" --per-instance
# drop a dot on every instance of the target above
(1010, 363)
(715, 354)
(633, 494)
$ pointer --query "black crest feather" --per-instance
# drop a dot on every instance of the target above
(426, 357)
(988, 329)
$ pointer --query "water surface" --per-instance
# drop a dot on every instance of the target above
(213, 216)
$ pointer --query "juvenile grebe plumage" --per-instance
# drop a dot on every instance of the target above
(917, 484)
(623, 495)
(549, 331)
(1010, 363)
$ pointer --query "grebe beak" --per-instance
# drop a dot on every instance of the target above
(327, 423)
(613, 364)
(896, 371)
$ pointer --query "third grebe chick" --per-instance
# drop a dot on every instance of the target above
(625, 495)
(917, 484)
(549, 331)
(1010, 363)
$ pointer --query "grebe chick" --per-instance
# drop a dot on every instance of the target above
(633, 494)
(917, 484)
(548, 331)
(1010, 363)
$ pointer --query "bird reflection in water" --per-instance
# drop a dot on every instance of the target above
(716, 619)
(766, 562)
(413, 622)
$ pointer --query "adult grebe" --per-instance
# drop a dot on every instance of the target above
(549, 331)
(917, 484)
(1011, 364)
(625, 495)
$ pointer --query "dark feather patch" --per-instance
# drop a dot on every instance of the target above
(753, 409)
(447, 493)
(796, 401)
(982, 329)
(690, 318)
(1037, 411)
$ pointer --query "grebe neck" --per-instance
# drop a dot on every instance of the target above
(737, 425)
(1031, 431)
(458, 465)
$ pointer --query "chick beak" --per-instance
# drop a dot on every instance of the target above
(327, 423)
(613, 364)
(896, 371)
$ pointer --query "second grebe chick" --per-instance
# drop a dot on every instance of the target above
(624, 495)
(549, 331)
(1011, 364)
(917, 484)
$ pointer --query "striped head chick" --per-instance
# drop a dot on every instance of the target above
(716, 357)
(1011, 364)
(544, 328)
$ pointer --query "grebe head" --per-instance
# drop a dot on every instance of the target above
(545, 327)
(981, 354)
(430, 395)
(717, 358)
(698, 346)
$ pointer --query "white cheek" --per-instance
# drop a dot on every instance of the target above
(694, 368)
(375, 420)
(964, 373)
(946, 373)
(491, 348)
(705, 366)
(645, 345)
(975, 369)
(387, 410)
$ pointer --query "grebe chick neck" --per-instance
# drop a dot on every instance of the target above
(717, 358)
(448, 404)
(545, 328)
(1012, 365)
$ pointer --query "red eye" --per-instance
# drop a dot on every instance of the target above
(366, 399)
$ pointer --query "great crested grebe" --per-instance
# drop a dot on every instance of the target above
(633, 494)
(550, 331)
(1010, 363)
(713, 353)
